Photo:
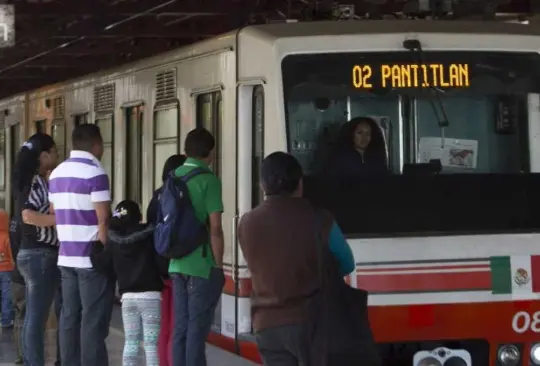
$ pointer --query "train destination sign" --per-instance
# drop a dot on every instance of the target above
(398, 76)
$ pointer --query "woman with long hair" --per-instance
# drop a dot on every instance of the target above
(360, 149)
(165, 335)
(38, 253)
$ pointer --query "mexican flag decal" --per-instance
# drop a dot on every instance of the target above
(515, 274)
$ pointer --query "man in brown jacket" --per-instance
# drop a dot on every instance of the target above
(279, 241)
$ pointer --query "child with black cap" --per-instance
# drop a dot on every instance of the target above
(135, 264)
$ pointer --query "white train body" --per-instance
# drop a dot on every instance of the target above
(233, 85)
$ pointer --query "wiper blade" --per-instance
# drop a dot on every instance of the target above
(415, 46)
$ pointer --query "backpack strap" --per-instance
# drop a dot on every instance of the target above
(193, 173)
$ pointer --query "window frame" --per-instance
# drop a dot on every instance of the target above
(40, 125)
(102, 116)
(175, 105)
(56, 123)
(257, 195)
(138, 111)
(215, 99)
(3, 155)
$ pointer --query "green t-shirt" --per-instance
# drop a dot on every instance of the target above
(205, 195)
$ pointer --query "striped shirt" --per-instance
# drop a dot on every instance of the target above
(38, 200)
(75, 185)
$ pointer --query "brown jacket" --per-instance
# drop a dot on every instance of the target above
(278, 240)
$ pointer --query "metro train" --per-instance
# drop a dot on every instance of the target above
(453, 281)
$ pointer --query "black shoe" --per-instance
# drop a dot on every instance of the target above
(19, 361)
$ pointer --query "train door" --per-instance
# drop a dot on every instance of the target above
(133, 147)
(209, 116)
(249, 158)
(14, 144)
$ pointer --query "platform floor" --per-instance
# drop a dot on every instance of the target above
(115, 341)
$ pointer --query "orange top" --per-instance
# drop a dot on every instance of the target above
(6, 257)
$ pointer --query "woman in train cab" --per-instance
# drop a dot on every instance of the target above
(165, 336)
(360, 150)
(38, 254)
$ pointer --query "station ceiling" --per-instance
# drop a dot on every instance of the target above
(56, 40)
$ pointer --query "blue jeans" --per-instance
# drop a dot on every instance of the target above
(40, 272)
(88, 297)
(6, 307)
(194, 301)
(57, 312)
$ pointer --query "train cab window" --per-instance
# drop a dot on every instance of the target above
(471, 116)
(209, 114)
(80, 119)
(258, 144)
(58, 133)
(41, 126)
(166, 132)
(133, 173)
(105, 124)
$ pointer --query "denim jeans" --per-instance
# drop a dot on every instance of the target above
(88, 297)
(57, 312)
(19, 303)
(6, 307)
(40, 272)
(194, 302)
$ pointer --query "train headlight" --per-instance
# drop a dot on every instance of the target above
(508, 355)
(535, 354)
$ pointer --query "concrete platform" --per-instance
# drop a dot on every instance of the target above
(115, 341)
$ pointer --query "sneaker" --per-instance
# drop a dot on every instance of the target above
(7, 326)
(19, 361)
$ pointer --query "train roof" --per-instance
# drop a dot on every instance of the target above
(272, 32)
(329, 28)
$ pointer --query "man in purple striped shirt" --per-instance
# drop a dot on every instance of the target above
(79, 192)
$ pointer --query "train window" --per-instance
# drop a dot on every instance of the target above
(257, 195)
(59, 135)
(40, 126)
(165, 139)
(80, 119)
(106, 126)
(133, 173)
(209, 113)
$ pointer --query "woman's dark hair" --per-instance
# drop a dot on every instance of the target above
(173, 162)
(280, 174)
(376, 150)
(27, 161)
(126, 215)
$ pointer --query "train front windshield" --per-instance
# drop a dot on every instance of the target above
(470, 111)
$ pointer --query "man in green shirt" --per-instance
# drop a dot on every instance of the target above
(198, 278)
